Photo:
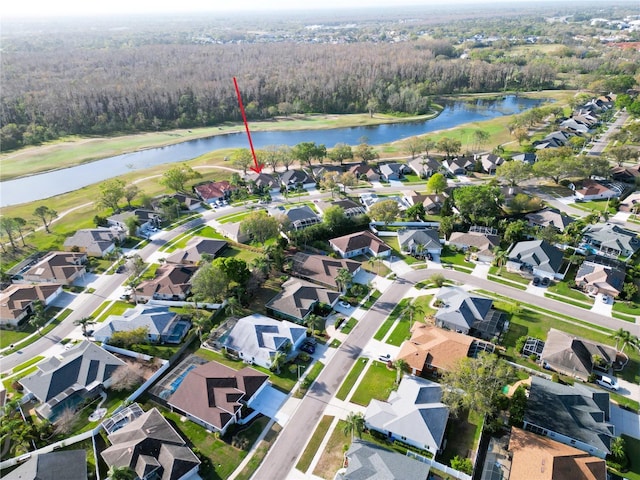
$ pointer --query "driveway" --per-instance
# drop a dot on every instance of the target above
(625, 422)
(269, 402)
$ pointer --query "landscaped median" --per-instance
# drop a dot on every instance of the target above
(314, 443)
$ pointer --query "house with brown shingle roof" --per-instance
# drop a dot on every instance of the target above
(16, 301)
(211, 192)
(196, 248)
(540, 458)
(594, 190)
(321, 269)
(360, 243)
(431, 202)
(484, 243)
(151, 447)
(601, 275)
(298, 298)
(432, 349)
(172, 282)
(212, 395)
(365, 171)
(55, 267)
(549, 217)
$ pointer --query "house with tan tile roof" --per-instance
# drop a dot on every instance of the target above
(360, 243)
(431, 349)
(298, 299)
(172, 282)
(321, 269)
(16, 301)
(55, 267)
(213, 191)
(212, 395)
(540, 458)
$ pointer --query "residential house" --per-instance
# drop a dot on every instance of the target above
(69, 464)
(75, 375)
(350, 208)
(631, 204)
(322, 269)
(232, 231)
(55, 267)
(413, 414)
(424, 167)
(298, 299)
(419, 242)
(529, 158)
(256, 339)
(368, 461)
(490, 162)
(611, 240)
(145, 219)
(214, 192)
(459, 165)
(298, 217)
(432, 202)
(573, 415)
(151, 447)
(171, 282)
(196, 249)
(332, 171)
(468, 314)
(625, 174)
(549, 217)
(212, 395)
(95, 242)
(574, 356)
(554, 140)
(360, 243)
(603, 275)
(370, 199)
(293, 179)
(534, 457)
(575, 126)
(598, 190)
(264, 182)
(16, 301)
(185, 202)
(536, 257)
(163, 325)
(432, 350)
(392, 171)
(482, 243)
(366, 172)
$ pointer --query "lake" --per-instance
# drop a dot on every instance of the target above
(45, 185)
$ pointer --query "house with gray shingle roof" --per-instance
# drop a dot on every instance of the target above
(298, 217)
(483, 243)
(601, 275)
(70, 465)
(293, 179)
(459, 165)
(468, 314)
(360, 243)
(573, 356)
(611, 240)
(74, 375)
(17, 300)
(536, 257)
(549, 217)
(298, 298)
(419, 242)
(413, 414)
(490, 162)
(368, 461)
(95, 242)
(151, 447)
(163, 325)
(574, 415)
(321, 268)
(256, 339)
(424, 167)
(351, 208)
(392, 171)
(196, 248)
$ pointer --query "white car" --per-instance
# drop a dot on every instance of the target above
(607, 382)
(345, 304)
(605, 299)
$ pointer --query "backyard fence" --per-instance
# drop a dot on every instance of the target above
(439, 466)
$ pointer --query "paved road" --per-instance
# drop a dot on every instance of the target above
(603, 141)
(293, 438)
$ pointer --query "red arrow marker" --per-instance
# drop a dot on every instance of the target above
(257, 167)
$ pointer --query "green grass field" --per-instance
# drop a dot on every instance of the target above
(351, 378)
(378, 382)
(314, 443)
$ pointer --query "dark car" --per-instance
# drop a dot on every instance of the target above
(120, 269)
(429, 256)
(308, 347)
(536, 281)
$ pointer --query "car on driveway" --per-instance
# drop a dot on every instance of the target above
(384, 358)
(536, 281)
(344, 304)
(605, 299)
(607, 382)
(120, 269)
(308, 347)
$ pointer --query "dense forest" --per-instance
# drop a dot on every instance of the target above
(127, 81)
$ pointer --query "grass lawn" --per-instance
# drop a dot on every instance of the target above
(514, 277)
(373, 298)
(388, 323)
(378, 382)
(402, 330)
(161, 351)
(309, 379)
(561, 288)
(569, 301)
(632, 447)
(259, 454)
(346, 329)
(26, 364)
(116, 308)
(351, 378)
(462, 435)
(630, 308)
(9, 381)
(456, 258)
(11, 337)
(50, 312)
(237, 217)
(332, 457)
(595, 206)
(314, 443)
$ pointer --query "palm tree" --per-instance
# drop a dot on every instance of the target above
(279, 358)
(401, 367)
(233, 306)
(313, 321)
(121, 473)
(344, 279)
(501, 257)
(617, 447)
(134, 283)
(354, 424)
(83, 322)
(39, 318)
(200, 321)
(621, 336)
(411, 310)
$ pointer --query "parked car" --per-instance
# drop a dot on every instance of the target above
(308, 347)
(607, 382)
(536, 281)
(545, 281)
(120, 269)
(429, 256)
(384, 358)
(344, 304)
(605, 299)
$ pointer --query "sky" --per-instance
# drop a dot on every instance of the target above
(37, 8)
